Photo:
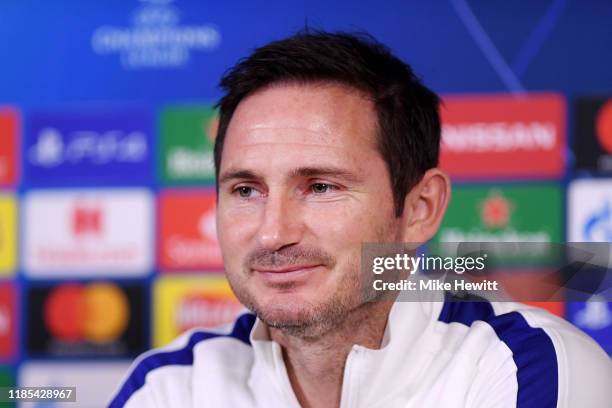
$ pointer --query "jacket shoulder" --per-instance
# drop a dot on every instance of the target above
(165, 374)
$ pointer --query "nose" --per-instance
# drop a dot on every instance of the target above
(280, 224)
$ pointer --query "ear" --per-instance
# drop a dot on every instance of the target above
(424, 207)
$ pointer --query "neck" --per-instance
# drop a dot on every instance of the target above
(315, 366)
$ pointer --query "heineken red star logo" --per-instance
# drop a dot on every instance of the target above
(495, 210)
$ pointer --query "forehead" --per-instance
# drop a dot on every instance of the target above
(312, 116)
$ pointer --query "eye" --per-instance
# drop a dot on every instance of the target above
(244, 191)
(321, 188)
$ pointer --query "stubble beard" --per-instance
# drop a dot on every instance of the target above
(352, 290)
(308, 320)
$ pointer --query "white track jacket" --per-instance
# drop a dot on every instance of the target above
(434, 354)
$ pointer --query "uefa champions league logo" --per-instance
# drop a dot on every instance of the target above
(155, 38)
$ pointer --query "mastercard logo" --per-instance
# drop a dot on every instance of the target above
(96, 312)
(604, 126)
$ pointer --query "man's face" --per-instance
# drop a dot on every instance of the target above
(301, 186)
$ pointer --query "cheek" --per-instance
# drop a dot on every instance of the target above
(348, 224)
(343, 227)
(335, 224)
(234, 229)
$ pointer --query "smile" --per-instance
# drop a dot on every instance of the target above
(286, 274)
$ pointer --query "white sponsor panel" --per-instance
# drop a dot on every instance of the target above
(590, 211)
(73, 233)
(95, 382)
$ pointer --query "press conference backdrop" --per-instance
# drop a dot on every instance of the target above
(107, 232)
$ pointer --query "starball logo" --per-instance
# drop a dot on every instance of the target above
(155, 38)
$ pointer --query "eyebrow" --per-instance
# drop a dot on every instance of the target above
(323, 171)
(237, 175)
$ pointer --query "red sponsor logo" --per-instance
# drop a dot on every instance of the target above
(495, 210)
(7, 322)
(86, 220)
(503, 136)
(8, 146)
(604, 126)
(199, 310)
(188, 231)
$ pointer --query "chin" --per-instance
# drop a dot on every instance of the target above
(303, 318)
(295, 321)
(286, 309)
(303, 310)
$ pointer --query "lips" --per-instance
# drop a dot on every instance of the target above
(287, 274)
(287, 269)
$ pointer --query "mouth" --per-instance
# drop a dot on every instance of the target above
(288, 274)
